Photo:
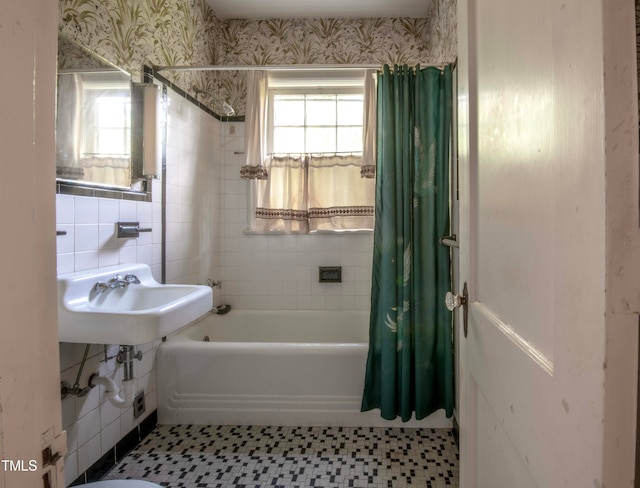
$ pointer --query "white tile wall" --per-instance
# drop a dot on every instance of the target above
(91, 240)
(93, 424)
(193, 193)
(281, 271)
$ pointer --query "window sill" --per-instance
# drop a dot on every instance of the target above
(252, 232)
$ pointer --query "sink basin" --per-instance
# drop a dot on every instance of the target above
(133, 314)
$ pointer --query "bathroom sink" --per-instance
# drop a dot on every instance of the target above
(125, 305)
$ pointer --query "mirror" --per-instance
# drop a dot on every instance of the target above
(93, 126)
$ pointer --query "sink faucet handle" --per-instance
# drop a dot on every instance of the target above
(100, 287)
(131, 279)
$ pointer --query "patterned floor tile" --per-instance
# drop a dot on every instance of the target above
(192, 456)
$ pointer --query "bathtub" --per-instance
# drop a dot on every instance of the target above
(289, 368)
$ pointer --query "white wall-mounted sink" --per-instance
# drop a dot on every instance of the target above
(128, 314)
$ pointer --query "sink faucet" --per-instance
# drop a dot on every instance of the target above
(117, 281)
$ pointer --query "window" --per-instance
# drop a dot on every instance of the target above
(306, 121)
(93, 130)
(309, 178)
(106, 121)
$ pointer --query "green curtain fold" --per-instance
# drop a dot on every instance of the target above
(410, 361)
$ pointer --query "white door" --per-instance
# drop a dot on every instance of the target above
(31, 440)
(537, 398)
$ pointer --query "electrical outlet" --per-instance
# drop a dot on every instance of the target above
(138, 404)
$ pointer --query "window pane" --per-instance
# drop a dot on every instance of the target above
(107, 125)
(316, 122)
(350, 110)
(112, 112)
(321, 110)
(288, 110)
(288, 139)
(349, 139)
(112, 142)
(321, 139)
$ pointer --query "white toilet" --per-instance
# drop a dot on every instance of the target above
(121, 484)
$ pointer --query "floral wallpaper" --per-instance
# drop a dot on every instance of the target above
(131, 33)
(73, 56)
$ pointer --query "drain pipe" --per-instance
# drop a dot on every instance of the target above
(111, 389)
(125, 357)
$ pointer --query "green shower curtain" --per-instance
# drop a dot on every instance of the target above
(410, 361)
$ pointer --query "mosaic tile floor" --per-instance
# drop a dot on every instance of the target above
(288, 457)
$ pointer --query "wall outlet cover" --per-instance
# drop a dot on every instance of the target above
(138, 404)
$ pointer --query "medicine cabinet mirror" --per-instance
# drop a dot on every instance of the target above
(94, 121)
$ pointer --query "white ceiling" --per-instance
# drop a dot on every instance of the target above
(282, 9)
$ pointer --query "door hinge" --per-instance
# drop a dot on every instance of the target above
(53, 450)
(49, 458)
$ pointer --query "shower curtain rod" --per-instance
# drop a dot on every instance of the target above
(280, 67)
(275, 67)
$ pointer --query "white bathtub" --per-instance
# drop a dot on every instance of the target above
(295, 368)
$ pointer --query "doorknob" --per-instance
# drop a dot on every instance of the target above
(454, 301)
